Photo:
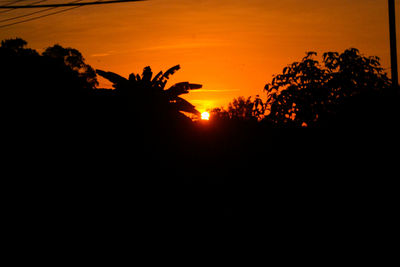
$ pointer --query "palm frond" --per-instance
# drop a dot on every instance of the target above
(182, 105)
(171, 71)
(112, 77)
(165, 77)
(157, 77)
(181, 88)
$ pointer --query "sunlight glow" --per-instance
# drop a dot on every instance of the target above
(205, 116)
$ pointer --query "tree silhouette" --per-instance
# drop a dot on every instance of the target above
(57, 71)
(16, 46)
(48, 87)
(73, 59)
(150, 94)
(307, 93)
(241, 108)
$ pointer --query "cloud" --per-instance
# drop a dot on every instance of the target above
(106, 54)
(100, 55)
(214, 90)
(182, 46)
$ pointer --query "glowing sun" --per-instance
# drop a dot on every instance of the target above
(205, 116)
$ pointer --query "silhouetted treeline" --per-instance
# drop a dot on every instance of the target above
(69, 136)
(50, 100)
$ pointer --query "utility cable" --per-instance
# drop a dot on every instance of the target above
(74, 5)
(39, 17)
(71, 4)
(33, 13)
(14, 2)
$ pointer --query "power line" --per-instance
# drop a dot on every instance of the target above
(74, 5)
(40, 11)
(33, 13)
(11, 3)
(39, 17)
(70, 4)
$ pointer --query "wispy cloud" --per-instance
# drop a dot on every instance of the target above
(214, 90)
(100, 55)
(105, 54)
(189, 45)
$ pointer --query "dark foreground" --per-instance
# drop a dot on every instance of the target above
(199, 169)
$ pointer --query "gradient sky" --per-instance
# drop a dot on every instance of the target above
(232, 47)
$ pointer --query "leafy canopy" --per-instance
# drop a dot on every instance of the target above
(308, 90)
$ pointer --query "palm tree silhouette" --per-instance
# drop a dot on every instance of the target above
(151, 92)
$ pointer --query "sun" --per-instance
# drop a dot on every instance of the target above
(205, 116)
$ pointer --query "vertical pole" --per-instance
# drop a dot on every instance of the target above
(393, 45)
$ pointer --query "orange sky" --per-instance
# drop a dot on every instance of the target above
(232, 47)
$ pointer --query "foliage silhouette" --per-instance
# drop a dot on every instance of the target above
(16, 46)
(57, 71)
(307, 93)
(59, 125)
(53, 106)
(150, 93)
(58, 84)
(241, 109)
(73, 59)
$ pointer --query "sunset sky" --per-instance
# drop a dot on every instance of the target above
(232, 47)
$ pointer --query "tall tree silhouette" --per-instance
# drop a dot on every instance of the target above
(308, 92)
(16, 46)
(57, 71)
(45, 86)
(150, 94)
(74, 60)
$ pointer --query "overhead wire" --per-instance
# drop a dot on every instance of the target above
(39, 17)
(74, 4)
(14, 2)
(33, 13)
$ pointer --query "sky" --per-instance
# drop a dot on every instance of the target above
(231, 47)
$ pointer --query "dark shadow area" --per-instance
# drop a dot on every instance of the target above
(63, 134)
